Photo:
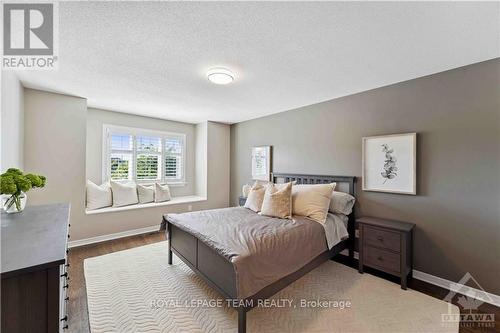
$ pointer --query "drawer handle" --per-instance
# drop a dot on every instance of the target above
(65, 327)
(379, 258)
(66, 286)
(65, 318)
(67, 298)
(380, 238)
(64, 275)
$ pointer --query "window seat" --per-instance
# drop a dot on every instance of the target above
(174, 201)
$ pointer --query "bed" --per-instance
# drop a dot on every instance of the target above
(247, 257)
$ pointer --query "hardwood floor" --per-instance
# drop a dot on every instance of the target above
(77, 306)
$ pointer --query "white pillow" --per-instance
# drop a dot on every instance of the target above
(98, 196)
(341, 203)
(146, 193)
(162, 193)
(255, 198)
(124, 194)
(312, 200)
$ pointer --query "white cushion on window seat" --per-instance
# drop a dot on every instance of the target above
(98, 196)
(146, 193)
(124, 194)
(162, 193)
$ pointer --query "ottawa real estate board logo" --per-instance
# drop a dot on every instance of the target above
(469, 299)
(29, 36)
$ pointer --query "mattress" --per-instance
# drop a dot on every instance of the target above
(262, 249)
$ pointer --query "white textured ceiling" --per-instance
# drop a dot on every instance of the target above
(151, 58)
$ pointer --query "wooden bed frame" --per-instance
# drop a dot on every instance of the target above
(219, 273)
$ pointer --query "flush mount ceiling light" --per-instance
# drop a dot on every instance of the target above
(219, 75)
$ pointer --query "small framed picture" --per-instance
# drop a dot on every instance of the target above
(261, 163)
(390, 163)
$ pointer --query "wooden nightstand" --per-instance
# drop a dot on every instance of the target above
(386, 245)
(242, 200)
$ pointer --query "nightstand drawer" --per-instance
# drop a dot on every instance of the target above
(382, 238)
(386, 245)
(382, 259)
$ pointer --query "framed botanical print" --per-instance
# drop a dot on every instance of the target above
(261, 163)
(389, 163)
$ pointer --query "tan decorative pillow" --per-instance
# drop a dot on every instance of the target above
(278, 201)
(255, 198)
(259, 182)
(264, 183)
(312, 201)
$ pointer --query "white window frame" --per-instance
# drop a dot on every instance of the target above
(108, 130)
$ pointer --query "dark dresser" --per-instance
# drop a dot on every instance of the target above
(34, 269)
(386, 245)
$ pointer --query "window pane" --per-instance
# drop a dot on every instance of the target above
(145, 157)
(147, 166)
(121, 166)
(174, 145)
(148, 143)
(121, 142)
(173, 167)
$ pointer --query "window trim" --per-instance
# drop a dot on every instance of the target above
(108, 129)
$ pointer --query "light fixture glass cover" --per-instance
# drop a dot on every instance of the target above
(219, 75)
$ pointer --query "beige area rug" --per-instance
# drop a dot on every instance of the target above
(137, 291)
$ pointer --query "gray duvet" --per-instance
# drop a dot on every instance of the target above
(262, 249)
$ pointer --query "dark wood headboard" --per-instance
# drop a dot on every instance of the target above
(345, 184)
(317, 179)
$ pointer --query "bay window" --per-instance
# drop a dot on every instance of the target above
(143, 156)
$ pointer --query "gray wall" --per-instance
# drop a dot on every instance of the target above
(95, 120)
(12, 122)
(218, 164)
(201, 166)
(55, 128)
(456, 115)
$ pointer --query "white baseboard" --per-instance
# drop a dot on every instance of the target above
(103, 238)
(462, 289)
(450, 285)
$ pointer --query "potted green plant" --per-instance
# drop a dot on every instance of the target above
(15, 184)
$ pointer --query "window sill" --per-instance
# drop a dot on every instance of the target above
(151, 183)
(174, 201)
(178, 184)
(148, 183)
